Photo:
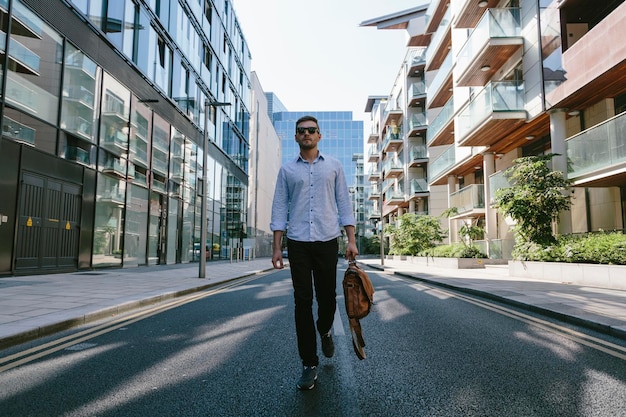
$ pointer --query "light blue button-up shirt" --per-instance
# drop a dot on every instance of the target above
(311, 200)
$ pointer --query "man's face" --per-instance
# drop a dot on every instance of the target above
(307, 135)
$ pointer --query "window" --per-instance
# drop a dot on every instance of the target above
(208, 10)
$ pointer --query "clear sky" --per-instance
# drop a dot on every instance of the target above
(314, 55)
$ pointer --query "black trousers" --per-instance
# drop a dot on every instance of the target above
(313, 265)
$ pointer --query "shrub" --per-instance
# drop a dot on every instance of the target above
(596, 248)
(457, 250)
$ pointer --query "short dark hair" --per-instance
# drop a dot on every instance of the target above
(307, 119)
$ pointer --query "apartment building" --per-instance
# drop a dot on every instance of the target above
(109, 110)
(506, 79)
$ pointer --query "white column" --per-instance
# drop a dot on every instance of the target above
(491, 221)
(559, 162)
(452, 230)
(412, 206)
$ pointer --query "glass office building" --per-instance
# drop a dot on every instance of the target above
(103, 128)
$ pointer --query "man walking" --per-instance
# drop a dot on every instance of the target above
(312, 203)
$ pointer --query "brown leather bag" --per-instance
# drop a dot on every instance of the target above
(359, 296)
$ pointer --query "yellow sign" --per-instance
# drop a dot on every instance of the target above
(67, 226)
(29, 222)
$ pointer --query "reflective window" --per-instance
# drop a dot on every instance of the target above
(135, 236)
(146, 40)
(114, 117)
(160, 152)
(80, 92)
(138, 146)
(23, 128)
(108, 232)
(34, 72)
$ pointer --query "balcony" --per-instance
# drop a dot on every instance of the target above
(417, 124)
(393, 115)
(419, 188)
(394, 196)
(393, 140)
(440, 89)
(416, 62)
(374, 193)
(373, 153)
(392, 166)
(495, 111)
(373, 137)
(441, 128)
(468, 12)
(470, 201)
(373, 174)
(598, 155)
(490, 45)
(419, 155)
(442, 163)
(417, 94)
(440, 44)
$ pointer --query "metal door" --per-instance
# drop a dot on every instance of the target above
(48, 227)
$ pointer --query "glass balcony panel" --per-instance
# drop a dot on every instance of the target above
(497, 96)
(417, 121)
(438, 37)
(442, 163)
(440, 78)
(419, 152)
(438, 123)
(468, 198)
(419, 185)
(497, 181)
(601, 146)
(496, 23)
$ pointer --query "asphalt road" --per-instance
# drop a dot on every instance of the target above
(232, 352)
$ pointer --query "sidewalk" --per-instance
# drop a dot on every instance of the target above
(600, 309)
(33, 306)
(37, 305)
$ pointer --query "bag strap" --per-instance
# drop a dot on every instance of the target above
(357, 338)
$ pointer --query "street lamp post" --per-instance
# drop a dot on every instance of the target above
(205, 187)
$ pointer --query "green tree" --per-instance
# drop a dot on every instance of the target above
(413, 234)
(536, 197)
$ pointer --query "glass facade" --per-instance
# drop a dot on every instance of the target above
(138, 166)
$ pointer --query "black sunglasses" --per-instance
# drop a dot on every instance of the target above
(301, 130)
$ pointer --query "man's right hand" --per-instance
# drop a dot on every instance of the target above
(277, 259)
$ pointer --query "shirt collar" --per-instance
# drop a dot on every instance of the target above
(320, 157)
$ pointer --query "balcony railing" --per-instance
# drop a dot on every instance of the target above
(442, 163)
(419, 185)
(436, 40)
(394, 195)
(417, 58)
(419, 152)
(443, 75)
(494, 30)
(393, 139)
(497, 181)
(373, 153)
(496, 97)
(599, 147)
(444, 117)
(392, 166)
(417, 122)
(417, 90)
(468, 198)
